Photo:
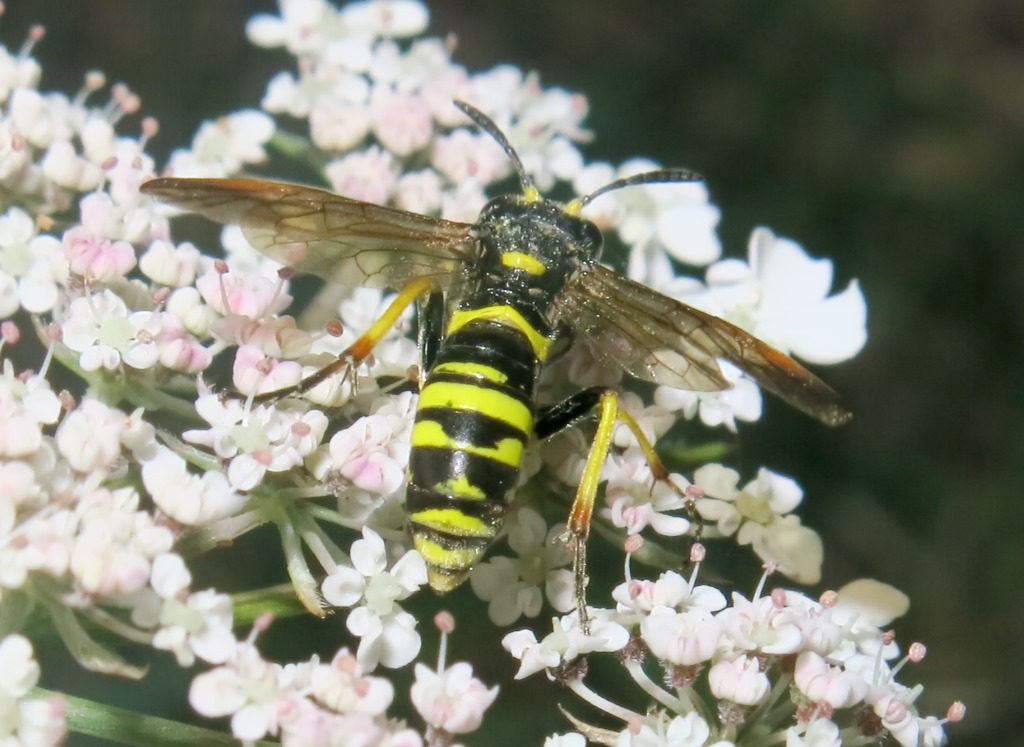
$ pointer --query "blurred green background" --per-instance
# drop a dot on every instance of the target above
(887, 136)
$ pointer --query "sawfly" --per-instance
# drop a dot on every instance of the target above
(523, 277)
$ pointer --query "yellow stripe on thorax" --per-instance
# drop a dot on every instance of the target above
(457, 396)
(505, 315)
(508, 451)
(524, 262)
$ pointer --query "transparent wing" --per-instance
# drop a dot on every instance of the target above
(313, 231)
(659, 339)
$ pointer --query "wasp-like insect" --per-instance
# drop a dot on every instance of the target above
(523, 277)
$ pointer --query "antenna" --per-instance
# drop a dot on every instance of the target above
(648, 177)
(487, 124)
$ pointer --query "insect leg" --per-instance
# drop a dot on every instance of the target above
(430, 318)
(361, 348)
(560, 416)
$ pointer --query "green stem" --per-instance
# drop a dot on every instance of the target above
(85, 649)
(106, 621)
(196, 457)
(329, 515)
(127, 727)
(15, 610)
(155, 399)
(203, 539)
(297, 148)
(279, 600)
(327, 553)
(303, 581)
(695, 456)
(674, 704)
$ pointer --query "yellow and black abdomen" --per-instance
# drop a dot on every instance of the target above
(473, 423)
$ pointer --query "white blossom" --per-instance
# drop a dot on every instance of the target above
(223, 147)
(739, 679)
(29, 721)
(513, 587)
(192, 499)
(388, 634)
(681, 731)
(454, 700)
(566, 642)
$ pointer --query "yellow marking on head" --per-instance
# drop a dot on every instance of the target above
(573, 208)
(506, 315)
(498, 405)
(479, 370)
(532, 194)
(508, 451)
(452, 521)
(524, 262)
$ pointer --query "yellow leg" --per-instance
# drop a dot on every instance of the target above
(359, 350)
(362, 347)
(586, 493)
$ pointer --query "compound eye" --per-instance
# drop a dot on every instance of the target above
(592, 238)
(496, 206)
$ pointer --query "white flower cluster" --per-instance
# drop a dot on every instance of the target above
(95, 493)
(780, 667)
(759, 515)
(356, 81)
(388, 633)
(77, 541)
(518, 586)
(310, 703)
(52, 147)
(781, 295)
(335, 704)
(25, 719)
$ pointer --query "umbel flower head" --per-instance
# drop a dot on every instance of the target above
(112, 492)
